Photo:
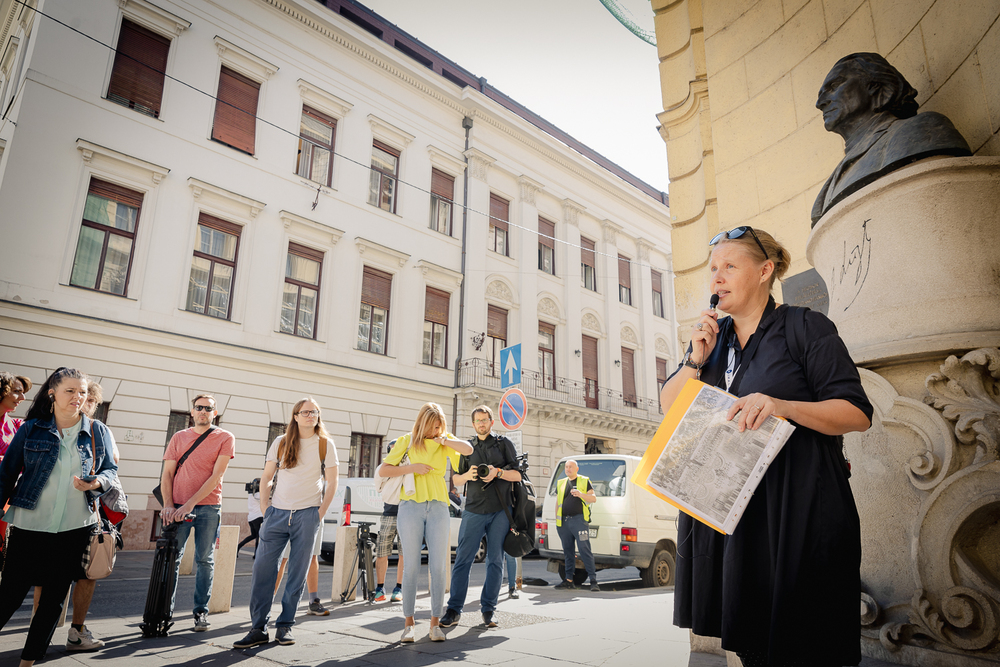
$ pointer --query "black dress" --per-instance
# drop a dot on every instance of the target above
(788, 579)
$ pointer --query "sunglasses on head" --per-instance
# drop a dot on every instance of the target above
(735, 234)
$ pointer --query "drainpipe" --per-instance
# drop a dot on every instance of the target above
(467, 125)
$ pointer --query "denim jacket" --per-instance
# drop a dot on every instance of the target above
(33, 453)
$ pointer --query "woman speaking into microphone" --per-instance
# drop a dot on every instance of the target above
(791, 568)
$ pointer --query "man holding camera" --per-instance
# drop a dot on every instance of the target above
(486, 473)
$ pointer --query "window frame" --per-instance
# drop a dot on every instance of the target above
(546, 246)
(353, 464)
(499, 221)
(625, 280)
(584, 250)
(328, 120)
(110, 188)
(382, 174)
(495, 338)
(628, 372)
(226, 227)
(656, 279)
(440, 198)
(381, 275)
(548, 381)
(314, 255)
(228, 135)
(154, 76)
(429, 318)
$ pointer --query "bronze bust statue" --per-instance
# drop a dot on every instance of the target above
(869, 103)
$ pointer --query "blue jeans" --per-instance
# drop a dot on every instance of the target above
(297, 528)
(511, 563)
(575, 529)
(206, 527)
(494, 526)
(417, 524)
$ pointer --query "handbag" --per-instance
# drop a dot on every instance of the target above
(157, 493)
(517, 543)
(390, 487)
(102, 548)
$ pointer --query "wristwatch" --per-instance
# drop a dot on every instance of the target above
(690, 364)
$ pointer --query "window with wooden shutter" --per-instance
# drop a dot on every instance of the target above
(104, 250)
(661, 372)
(442, 193)
(213, 268)
(496, 337)
(138, 72)
(624, 280)
(628, 377)
(236, 111)
(590, 371)
(436, 327)
(546, 246)
(376, 293)
(498, 239)
(588, 264)
(300, 300)
(657, 281)
(547, 354)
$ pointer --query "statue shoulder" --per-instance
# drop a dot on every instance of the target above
(925, 133)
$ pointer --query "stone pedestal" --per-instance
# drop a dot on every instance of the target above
(912, 264)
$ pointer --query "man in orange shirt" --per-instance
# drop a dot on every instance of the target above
(194, 486)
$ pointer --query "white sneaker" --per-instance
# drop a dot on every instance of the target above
(437, 634)
(407, 637)
(82, 640)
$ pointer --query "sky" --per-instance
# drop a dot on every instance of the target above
(570, 61)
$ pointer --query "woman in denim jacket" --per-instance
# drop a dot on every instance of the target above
(46, 476)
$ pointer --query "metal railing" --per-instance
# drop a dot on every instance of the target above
(481, 373)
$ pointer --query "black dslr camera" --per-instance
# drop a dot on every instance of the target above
(253, 487)
(482, 470)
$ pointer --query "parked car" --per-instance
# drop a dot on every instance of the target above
(366, 505)
(629, 527)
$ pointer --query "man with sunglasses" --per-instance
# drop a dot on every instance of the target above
(193, 466)
(484, 515)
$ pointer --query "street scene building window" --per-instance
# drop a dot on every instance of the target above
(303, 267)
(365, 456)
(657, 279)
(436, 327)
(384, 173)
(213, 268)
(628, 377)
(376, 290)
(274, 430)
(497, 241)
(138, 72)
(547, 354)
(661, 373)
(496, 337)
(442, 192)
(546, 246)
(177, 421)
(624, 280)
(590, 384)
(588, 272)
(236, 111)
(316, 135)
(107, 238)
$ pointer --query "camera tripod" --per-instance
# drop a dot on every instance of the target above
(364, 566)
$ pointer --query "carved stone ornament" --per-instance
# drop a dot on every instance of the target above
(548, 307)
(954, 543)
(661, 346)
(590, 323)
(628, 336)
(500, 291)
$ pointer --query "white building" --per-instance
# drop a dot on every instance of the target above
(319, 229)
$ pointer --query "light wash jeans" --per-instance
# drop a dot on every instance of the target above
(297, 528)
(511, 564)
(417, 524)
(474, 526)
(205, 526)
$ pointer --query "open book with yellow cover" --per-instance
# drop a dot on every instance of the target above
(700, 462)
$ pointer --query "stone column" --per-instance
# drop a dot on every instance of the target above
(568, 266)
(607, 269)
(477, 231)
(527, 261)
(645, 358)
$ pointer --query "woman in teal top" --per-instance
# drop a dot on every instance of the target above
(46, 476)
(423, 511)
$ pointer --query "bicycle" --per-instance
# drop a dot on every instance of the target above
(364, 565)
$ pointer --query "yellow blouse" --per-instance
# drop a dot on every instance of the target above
(431, 486)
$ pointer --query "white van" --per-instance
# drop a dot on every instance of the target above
(366, 505)
(629, 527)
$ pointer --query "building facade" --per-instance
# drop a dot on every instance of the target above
(268, 199)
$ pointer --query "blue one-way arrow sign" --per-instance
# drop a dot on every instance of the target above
(510, 366)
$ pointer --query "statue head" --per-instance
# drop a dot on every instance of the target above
(860, 86)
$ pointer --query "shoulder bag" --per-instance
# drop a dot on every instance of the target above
(157, 493)
(102, 549)
(390, 487)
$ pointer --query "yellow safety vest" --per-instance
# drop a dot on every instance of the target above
(581, 486)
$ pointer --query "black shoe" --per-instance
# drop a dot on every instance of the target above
(594, 588)
(513, 594)
(284, 636)
(488, 620)
(566, 585)
(254, 638)
(450, 619)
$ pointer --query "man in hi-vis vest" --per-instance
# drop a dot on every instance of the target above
(574, 494)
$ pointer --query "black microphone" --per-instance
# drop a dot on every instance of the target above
(714, 301)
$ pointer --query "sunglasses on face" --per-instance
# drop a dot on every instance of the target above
(735, 234)
(204, 408)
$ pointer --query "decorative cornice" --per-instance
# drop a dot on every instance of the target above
(445, 161)
(529, 188)
(89, 150)
(572, 211)
(611, 231)
(389, 133)
(387, 255)
(442, 274)
(232, 199)
(628, 336)
(243, 61)
(323, 101)
(295, 222)
(499, 291)
(548, 307)
(156, 19)
(643, 247)
(479, 164)
(589, 322)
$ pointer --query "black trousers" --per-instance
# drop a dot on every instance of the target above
(49, 560)
(254, 535)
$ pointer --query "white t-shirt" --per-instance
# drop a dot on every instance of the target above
(302, 486)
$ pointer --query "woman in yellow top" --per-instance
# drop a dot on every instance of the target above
(423, 510)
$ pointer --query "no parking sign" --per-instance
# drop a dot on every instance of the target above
(513, 409)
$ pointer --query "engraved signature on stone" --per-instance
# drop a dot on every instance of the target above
(854, 268)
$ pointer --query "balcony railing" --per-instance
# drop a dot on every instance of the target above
(481, 373)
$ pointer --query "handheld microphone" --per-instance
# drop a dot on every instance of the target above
(714, 301)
